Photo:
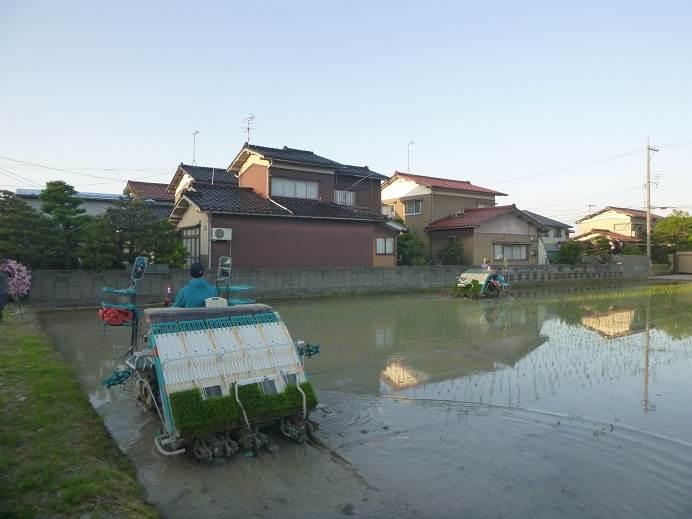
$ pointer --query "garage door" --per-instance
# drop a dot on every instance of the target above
(684, 262)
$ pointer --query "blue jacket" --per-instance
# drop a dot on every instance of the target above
(194, 293)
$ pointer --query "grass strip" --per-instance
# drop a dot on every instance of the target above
(56, 456)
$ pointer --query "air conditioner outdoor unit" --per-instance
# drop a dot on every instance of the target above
(221, 234)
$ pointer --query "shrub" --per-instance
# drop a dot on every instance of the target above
(631, 250)
(570, 253)
(451, 253)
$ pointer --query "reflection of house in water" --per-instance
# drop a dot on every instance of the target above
(397, 376)
(615, 322)
(496, 336)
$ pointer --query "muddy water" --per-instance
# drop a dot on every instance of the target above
(438, 408)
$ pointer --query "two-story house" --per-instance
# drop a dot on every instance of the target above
(282, 207)
(549, 241)
(442, 209)
(620, 225)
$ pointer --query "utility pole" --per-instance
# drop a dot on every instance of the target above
(194, 147)
(590, 206)
(650, 150)
(408, 156)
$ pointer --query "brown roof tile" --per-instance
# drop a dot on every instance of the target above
(446, 183)
(471, 218)
(149, 190)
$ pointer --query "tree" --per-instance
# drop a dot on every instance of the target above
(570, 253)
(411, 249)
(600, 248)
(451, 253)
(23, 231)
(631, 250)
(99, 248)
(140, 232)
(674, 231)
(59, 200)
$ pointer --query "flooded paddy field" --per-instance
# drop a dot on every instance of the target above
(556, 405)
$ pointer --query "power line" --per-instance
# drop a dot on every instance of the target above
(591, 197)
(578, 165)
(18, 176)
(57, 169)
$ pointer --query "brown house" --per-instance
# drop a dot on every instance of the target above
(502, 233)
(283, 207)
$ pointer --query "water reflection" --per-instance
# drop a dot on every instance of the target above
(594, 357)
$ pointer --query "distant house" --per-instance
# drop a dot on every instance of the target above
(420, 200)
(549, 242)
(154, 193)
(620, 225)
(282, 207)
(501, 233)
(94, 204)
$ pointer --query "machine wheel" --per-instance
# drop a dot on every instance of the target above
(201, 451)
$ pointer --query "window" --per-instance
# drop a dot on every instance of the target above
(480, 206)
(621, 227)
(342, 197)
(413, 207)
(557, 232)
(212, 392)
(190, 237)
(384, 245)
(388, 210)
(511, 252)
(638, 229)
(291, 188)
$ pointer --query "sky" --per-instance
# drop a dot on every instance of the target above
(550, 102)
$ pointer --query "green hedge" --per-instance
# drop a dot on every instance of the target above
(193, 415)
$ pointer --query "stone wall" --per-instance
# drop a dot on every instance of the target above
(84, 288)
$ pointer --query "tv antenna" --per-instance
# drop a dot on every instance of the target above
(194, 147)
(408, 156)
(248, 126)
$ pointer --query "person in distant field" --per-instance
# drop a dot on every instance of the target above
(3, 292)
(486, 265)
(196, 291)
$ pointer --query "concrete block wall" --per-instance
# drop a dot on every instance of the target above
(84, 288)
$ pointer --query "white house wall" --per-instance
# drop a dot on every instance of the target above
(402, 188)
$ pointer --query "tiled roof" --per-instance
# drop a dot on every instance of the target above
(295, 155)
(242, 200)
(446, 183)
(292, 155)
(207, 174)
(149, 190)
(548, 222)
(608, 234)
(313, 208)
(471, 218)
(228, 199)
(634, 213)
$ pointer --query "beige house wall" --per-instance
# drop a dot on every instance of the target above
(192, 217)
(483, 247)
(435, 205)
(608, 220)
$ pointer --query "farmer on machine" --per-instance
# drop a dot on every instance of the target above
(196, 291)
